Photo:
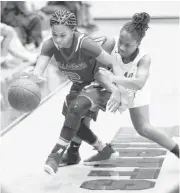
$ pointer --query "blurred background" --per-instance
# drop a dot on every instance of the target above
(25, 25)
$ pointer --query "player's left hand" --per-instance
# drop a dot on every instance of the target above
(114, 101)
(30, 74)
(124, 103)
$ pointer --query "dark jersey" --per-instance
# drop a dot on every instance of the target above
(77, 62)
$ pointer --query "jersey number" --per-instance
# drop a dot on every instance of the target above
(74, 77)
(128, 75)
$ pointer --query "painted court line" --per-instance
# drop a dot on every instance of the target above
(145, 159)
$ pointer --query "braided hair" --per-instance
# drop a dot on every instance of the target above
(63, 17)
(139, 24)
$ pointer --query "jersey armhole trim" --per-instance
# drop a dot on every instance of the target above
(80, 39)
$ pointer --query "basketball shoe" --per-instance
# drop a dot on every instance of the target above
(70, 157)
(107, 154)
(54, 160)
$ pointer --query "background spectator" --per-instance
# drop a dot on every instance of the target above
(26, 23)
(12, 44)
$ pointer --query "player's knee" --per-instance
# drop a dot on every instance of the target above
(143, 129)
(75, 109)
(79, 106)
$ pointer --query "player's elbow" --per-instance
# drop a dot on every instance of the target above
(140, 84)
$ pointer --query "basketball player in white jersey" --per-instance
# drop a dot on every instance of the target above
(132, 73)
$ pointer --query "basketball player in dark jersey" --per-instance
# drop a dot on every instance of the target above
(77, 56)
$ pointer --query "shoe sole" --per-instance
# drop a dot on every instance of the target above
(69, 163)
(74, 163)
(114, 156)
(66, 161)
(49, 170)
(63, 164)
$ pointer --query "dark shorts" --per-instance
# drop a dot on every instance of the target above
(96, 94)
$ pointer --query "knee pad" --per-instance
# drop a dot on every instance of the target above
(75, 112)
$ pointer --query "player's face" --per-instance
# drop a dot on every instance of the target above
(127, 44)
(62, 36)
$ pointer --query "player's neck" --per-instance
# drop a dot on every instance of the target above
(130, 58)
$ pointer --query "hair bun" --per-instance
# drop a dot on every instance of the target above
(141, 18)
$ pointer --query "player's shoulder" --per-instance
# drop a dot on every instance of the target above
(145, 60)
(48, 43)
(109, 44)
(48, 47)
(143, 55)
(89, 42)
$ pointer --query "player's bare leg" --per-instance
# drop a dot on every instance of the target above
(140, 120)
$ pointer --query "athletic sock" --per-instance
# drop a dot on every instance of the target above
(74, 147)
(175, 150)
(99, 145)
(60, 146)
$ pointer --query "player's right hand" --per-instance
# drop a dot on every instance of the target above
(31, 75)
(35, 77)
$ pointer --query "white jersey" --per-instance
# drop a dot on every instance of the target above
(129, 71)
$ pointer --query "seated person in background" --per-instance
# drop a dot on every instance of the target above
(6, 37)
(53, 6)
(11, 44)
(86, 16)
(27, 24)
(75, 7)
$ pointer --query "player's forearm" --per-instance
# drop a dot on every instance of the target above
(41, 65)
(131, 83)
(39, 70)
(106, 59)
(108, 85)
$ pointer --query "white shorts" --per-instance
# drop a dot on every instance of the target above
(141, 98)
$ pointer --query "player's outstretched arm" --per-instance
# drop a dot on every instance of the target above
(41, 65)
(135, 83)
(106, 59)
(44, 58)
(42, 62)
(101, 54)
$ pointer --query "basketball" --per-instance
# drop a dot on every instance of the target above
(24, 95)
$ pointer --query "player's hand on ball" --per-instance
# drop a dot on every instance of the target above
(35, 77)
(31, 75)
(114, 101)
